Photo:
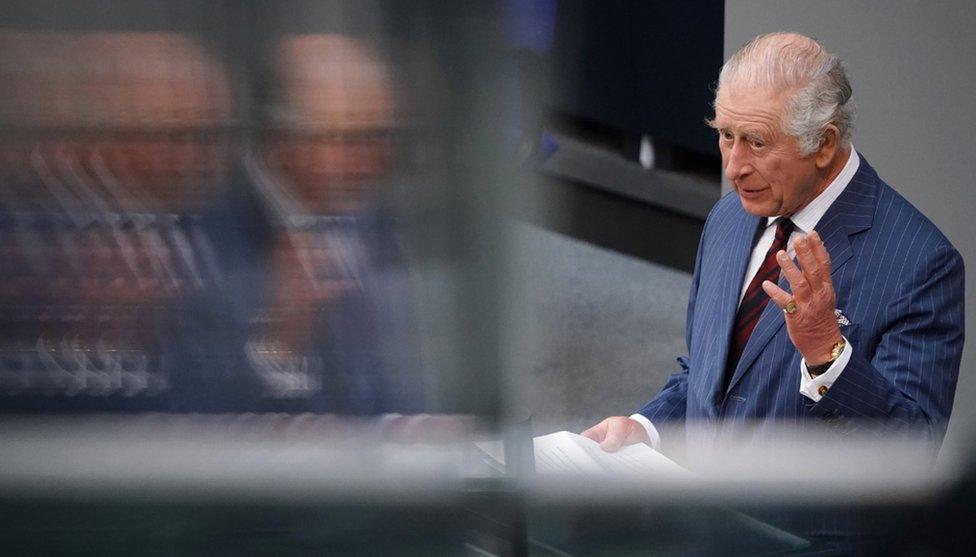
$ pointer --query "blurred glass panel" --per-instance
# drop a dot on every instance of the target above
(111, 141)
(220, 215)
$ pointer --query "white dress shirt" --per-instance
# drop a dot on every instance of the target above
(805, 220)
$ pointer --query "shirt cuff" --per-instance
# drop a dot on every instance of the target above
(815, 388)
(652, 434)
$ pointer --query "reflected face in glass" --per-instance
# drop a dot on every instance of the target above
(175, 170)
(759, 159)
(134, 117)
(332, 171)
(333, 121)
(113, 134)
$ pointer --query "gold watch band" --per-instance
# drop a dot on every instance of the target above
(835, 353)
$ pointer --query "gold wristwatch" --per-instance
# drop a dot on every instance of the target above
(835, 353)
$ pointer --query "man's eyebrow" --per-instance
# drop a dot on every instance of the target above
(754, 131)
(714, 123)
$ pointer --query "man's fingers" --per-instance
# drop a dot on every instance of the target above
(820, 252)
(809, 262)
(598, 432)
(779, 296)
(798, 283)
(615, 432)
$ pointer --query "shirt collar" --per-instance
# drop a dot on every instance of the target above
(807, 218)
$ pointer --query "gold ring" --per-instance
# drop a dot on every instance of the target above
(790, 308)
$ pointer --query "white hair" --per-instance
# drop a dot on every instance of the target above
(815, 81)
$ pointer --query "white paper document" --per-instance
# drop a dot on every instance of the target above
(564, 453)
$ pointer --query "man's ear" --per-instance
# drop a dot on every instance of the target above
(829, 146)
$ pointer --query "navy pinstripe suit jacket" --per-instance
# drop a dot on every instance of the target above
(898, 281)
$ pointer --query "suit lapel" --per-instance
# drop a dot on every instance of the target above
(851, 213)
(741, 235)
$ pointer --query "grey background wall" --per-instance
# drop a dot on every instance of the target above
(913, 68)
(606, 329)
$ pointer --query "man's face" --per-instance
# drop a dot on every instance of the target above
(759, 159)
(337, 145)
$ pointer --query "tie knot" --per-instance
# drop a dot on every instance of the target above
(784, 227)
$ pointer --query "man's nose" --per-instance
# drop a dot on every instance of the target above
(737, 162)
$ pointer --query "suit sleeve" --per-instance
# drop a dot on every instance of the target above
(909, 381)
(671, 403)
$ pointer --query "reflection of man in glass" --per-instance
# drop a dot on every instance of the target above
(329, 120)
(112, 146)
(313, 283)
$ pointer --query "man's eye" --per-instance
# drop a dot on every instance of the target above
(757, 144)
(727, 136)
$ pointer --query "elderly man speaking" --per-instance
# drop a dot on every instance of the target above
(866, 321)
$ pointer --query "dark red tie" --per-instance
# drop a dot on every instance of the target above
(755, 299)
